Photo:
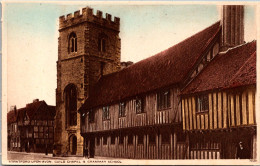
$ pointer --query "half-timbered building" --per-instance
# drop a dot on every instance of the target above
(219, 105)
(32, 128)
(153, 109)
(136, 112)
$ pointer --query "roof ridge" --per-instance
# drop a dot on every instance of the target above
(243, 52)
(176, 43)
(160, 53)
(232, 48)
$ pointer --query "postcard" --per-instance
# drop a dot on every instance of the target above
(123, 83)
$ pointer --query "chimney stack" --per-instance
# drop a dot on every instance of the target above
(13, 108)
(35, 100)
(232, 22)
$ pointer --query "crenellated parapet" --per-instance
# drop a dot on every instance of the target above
(86, 15)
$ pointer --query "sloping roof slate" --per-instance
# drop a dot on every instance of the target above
(163, 69)
(234, 68)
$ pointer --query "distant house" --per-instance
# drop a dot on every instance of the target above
(31, 128)
(12, 131)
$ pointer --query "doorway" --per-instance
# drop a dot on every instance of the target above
(92, 147)
(73, 146)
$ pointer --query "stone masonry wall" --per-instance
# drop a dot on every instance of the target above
(82, 68)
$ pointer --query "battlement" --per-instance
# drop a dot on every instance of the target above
(86, 14)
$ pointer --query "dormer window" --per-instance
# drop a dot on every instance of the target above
(72, 43)
(200, 67)
(215, 49)
(102, 45)
(209, 56)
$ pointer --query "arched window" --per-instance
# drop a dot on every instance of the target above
(71, 105)
(102, 45)
(102, 42)
(72, 42)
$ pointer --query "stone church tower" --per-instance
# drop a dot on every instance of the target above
(88, 47)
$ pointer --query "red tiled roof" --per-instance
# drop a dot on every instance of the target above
(163, 69)
(39, 108)
(246, 75)
(233, 68)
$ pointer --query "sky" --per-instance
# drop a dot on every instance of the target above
(31, 37)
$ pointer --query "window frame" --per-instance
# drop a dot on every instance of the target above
(202, 103)
(72, 44)
(101, 44)
(163, 99)
(139, 108)
(122, 109)
(105, 113)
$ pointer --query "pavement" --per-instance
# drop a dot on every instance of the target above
(12, 155)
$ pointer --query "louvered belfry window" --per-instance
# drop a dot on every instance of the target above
(73, 45)
(101, 45)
